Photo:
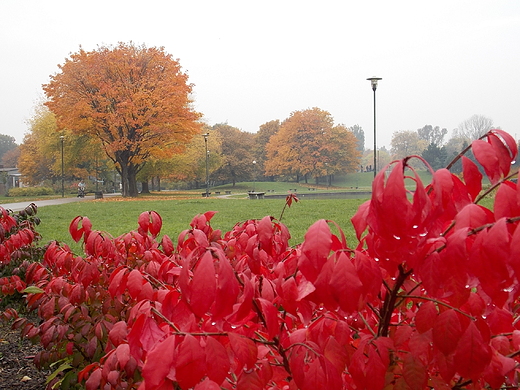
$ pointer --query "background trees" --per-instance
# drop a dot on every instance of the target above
(190, 165)
(40, 152)
(432, 135)
(237, 148)
(133, 99)
(406, 143)
(360, 135)
(7, 143)
(474, 127)
(261, 138)
(308, 144)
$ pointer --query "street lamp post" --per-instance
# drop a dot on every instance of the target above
(62, 138)
(207, 163)
(254, 174)
(373, 81)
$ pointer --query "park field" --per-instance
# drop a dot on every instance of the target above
(117, 216)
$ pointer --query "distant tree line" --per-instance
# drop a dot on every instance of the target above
(128, 109)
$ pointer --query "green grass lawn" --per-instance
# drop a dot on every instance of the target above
(120, 216)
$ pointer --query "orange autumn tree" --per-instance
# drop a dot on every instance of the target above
(134, 99)
(309, 144)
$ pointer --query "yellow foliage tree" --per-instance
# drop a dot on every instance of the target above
(40, 152)
(308, 143)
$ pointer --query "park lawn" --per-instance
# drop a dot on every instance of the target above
(118, 216)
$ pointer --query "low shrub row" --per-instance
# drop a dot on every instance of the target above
(30, 191)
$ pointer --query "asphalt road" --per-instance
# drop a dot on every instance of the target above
(49, 202)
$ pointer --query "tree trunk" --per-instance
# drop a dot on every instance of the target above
(145, 188)
(132, 181)
(124, 180)
(158, 182)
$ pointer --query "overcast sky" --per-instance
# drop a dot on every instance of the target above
(251, 62)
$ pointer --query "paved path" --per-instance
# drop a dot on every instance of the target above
(48, 202)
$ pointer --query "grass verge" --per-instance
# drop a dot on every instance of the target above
(117, 217)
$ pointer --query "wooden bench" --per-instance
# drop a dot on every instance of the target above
(256, 195)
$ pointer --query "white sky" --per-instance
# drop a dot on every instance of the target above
(251, 62)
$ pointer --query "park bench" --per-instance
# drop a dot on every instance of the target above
(256, 195)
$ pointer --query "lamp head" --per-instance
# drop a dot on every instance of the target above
(373, 81)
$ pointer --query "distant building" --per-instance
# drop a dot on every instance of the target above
(9, 178)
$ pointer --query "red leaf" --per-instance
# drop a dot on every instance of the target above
(227, 289)
(135, 283)
(369, 273)
(506, 203)
(472, 216)
(76, 232)
(94, 380)
(502, 153)
(472, 177)
(486, 156)
(270, 314)
(375, 369)
(393, 210)
(315, 249)
(345, 284)
(217, 360)
(209, 215)
(359, 220)
(203, 285)
(289, 199)
(159, 362)
(145, 334)
(144, 222)
(500, 321)
(514, 258)
(336, 354)
(414, 372)
(191, 362)
(425, 317)
(447, 331)
(118, 333)
(244, 349)
(117, 282)
(167, 245)
(265, 233)
(489, 254)
(155, 223)
(249, 380)
(123, 355)
(472, 354)
(510, 142)
(46, 310)
(207, 384)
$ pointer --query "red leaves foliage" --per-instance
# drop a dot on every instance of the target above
(427, 299)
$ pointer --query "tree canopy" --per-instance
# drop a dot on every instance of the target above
(432, 135)
(308, 143)
(407, 143)
(474, 127)
(134, 99)
(7, 143)
(237, 153)
(40, 152)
